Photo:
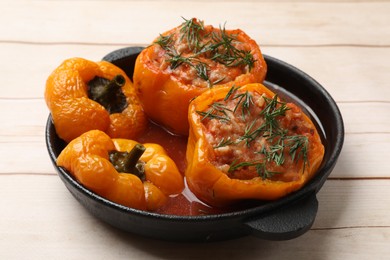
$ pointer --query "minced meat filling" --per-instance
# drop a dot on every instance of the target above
(202, 56)
(254, 135)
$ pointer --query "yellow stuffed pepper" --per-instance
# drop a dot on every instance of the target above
(187, 60)
(245, 143)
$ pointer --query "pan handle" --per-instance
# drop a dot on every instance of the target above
(286, 222)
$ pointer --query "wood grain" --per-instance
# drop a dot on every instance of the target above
(353, 215)
(344, 45)
(281, 23)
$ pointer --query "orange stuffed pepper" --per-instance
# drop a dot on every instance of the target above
(83, 95)
(186, 61)
(122, 170)
(245, 143)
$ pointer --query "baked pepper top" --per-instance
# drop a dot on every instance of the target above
(245, 143)
(186, 61)
(121, 170)
(83, 95)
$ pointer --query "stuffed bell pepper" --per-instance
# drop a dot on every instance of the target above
(186, 61)
(121, 170)
(83, 95)
(245, 143)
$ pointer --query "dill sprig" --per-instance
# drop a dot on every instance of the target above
(201, 68)
(224, 142)
(232, 90)
(177, 59)
(190, 30)
(298, 145)
(263, 172)
(216, 111)
(245, 100)
(165, 41)
(249, 134)
(270, 127)
(275, 150)
(217, 46)
(260, 166)
(279, 142)
(224, 52)
(271, 112)
(234, 166)
(202, 71)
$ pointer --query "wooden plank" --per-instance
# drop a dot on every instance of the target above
(38, 62)
(249, 1)
(353, 222)
(343, 204)
(365, 117)
(94, 240)
(341, 44)
(23, 120)
(25, 158)
(348, 204)
(347, 73)
(342, 71)
(129, 22)
(363, 156)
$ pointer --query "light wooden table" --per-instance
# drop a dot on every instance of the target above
(345, 45)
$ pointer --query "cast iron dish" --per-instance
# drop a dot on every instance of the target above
(282, 219)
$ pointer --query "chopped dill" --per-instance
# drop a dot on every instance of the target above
(190, 30)
(260, 166)
(217, 46)
(165, 41)
(232, 90)
(201, 70)
(279, 143)
(224, 142)
(245, 100)
(176, 60)
(226, 53)
(216, 111)
(271, 112)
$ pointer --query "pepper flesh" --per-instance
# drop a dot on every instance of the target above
(166, 96)
(74, 112)
(216, 187)
(87, 159)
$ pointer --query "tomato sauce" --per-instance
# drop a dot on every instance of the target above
(184, 204)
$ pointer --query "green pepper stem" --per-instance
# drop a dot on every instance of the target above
(113, 85)
(108, 93)
(117, 82)
(132, 158)
(129, 162)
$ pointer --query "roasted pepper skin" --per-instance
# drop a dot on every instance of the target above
(87, 159)
(163, 178)
(165, 98)
(213, 186)
(74, 113)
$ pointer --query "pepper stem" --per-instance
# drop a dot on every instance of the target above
(132, 158)
(129, 162)
(116, 83)
(108, 93)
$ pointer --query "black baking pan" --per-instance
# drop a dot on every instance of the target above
(282, 219)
